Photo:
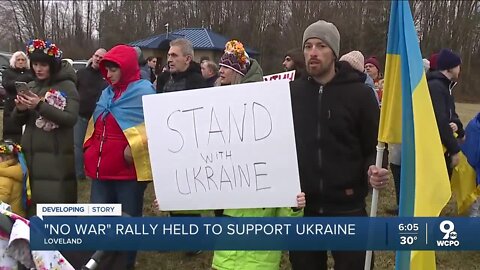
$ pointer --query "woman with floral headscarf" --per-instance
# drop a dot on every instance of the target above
(49, 109)
(237, 67)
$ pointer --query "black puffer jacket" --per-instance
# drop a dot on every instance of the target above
(49, 154)
(189, 79)
(90, 84)
(12, 130)
(336, 129)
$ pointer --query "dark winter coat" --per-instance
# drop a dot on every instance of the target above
(336, 133)
(444, 108)
(90, 84)
(210, 82)
(49, 154)
(12, 130)
(189, 79)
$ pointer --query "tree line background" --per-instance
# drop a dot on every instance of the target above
(270, 27)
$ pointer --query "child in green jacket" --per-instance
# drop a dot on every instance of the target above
(253, 260)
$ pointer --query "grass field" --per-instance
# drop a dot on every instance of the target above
(383, 259)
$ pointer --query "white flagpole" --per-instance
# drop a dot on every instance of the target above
(374, 206)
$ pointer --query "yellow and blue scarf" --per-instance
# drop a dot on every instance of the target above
(128, 112)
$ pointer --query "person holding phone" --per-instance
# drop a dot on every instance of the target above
(18, 71)
(49, 109)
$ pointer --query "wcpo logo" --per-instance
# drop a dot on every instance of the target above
(450, 236)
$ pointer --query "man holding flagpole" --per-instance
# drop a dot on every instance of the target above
(408, 117)
(336, 123)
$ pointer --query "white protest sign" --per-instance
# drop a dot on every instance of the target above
(223, 147)
(289, 75)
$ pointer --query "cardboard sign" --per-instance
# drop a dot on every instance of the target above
(223, 147)
(289, 75)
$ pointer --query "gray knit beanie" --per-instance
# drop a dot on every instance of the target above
(325, 31)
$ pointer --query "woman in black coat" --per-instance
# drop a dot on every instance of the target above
(18, 71)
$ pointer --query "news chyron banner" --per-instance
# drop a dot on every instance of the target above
(212, 233)
(77, 209)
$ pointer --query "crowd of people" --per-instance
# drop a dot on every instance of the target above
(88, 125)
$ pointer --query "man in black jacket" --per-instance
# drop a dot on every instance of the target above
(185, 74)
(336, 123)
(209, 72)
(440, 84)
(90, 84)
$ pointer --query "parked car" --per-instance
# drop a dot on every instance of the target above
(4, 60)
(78, 64)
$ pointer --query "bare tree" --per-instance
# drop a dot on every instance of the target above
(270, 27)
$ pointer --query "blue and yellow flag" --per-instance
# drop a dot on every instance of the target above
(424, 185)
(464, 185)
(128, 112)
(466, 175)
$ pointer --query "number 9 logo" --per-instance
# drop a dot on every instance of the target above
(447, 228)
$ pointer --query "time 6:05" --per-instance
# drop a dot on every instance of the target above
(408, 227)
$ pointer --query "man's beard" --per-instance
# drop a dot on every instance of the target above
(321, 69)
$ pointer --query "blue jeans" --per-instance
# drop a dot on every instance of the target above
(129, 193)
(79, 131)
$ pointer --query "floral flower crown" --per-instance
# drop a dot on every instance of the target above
(236, 48)
(8, 147)
(47, 47)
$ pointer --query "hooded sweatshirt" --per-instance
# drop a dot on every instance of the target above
(336, 133)
(104, 151)
(123, 56)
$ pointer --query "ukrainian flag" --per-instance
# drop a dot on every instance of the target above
(425, 187)
(464, 185)
(128, 112)
(465, 180)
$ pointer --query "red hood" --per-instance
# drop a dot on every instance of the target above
(126, 57)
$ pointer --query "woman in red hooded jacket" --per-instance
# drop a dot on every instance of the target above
(116, 158)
